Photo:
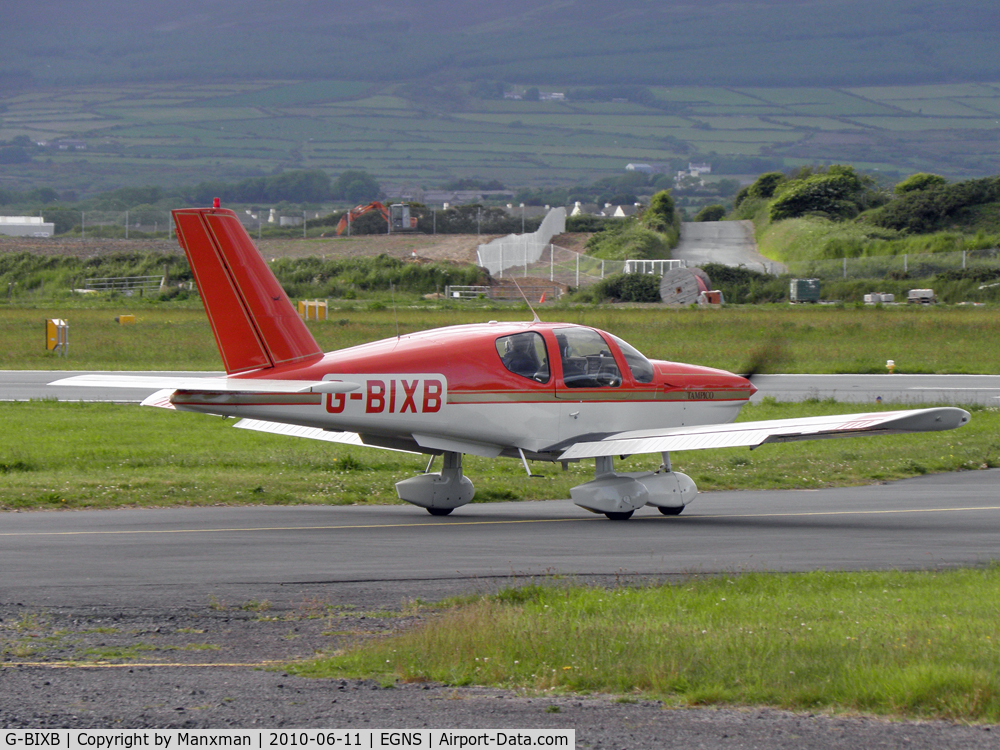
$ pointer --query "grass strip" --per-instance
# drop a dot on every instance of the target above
(80, 455)
(815, 339)
(913, 644)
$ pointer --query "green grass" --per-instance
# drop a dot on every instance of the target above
(171, 133)
(919, 645)
(817, 339)
(76, 455)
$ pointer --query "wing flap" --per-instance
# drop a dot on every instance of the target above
(753, 434)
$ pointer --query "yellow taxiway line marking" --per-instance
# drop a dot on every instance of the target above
(595, 517)
(296, 528)
(844, 513)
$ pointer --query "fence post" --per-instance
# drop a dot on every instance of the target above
(578, 270)
(906, 262)
(845, 266)
(552, 262)
(963, 260)
(501, 260)
(602, 269)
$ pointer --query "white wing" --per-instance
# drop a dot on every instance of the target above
(774, 431)
(312, 433)
(210, 384)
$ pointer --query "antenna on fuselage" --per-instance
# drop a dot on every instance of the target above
(533, 313)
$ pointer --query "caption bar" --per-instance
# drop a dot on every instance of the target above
(304, 739)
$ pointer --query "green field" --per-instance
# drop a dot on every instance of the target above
(80, 455)
(176, 134)
(90, 455)
(814, 339)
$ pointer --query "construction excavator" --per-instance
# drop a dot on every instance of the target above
(397, 217)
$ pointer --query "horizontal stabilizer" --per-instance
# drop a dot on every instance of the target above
(773, 431)
(210, 384)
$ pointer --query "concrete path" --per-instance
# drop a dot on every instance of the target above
(730, 243)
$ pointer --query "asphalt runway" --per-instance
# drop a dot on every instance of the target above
(144, 576)
(184, 556)
(24, 385)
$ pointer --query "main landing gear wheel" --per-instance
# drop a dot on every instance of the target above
(439, 511)
(620, 516)
(670, 511)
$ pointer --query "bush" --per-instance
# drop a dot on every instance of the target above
(742, 286)
(919, 181)
(714, 212)
(822, 193)
(765, 185)
(318, 277)
(629, 240)
(628, 287)
(927, 210)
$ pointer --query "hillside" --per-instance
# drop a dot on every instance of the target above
(574, 42)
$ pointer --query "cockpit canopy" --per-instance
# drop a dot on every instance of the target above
(584, 353)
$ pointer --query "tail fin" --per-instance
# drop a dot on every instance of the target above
(253, 321)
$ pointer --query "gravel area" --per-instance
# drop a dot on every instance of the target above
(214, 661)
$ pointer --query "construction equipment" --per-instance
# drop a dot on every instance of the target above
(397, 217)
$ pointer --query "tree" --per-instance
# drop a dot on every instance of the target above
(839, 192)
(919, 181)
(355, 186)
(661, 213)
(765, 185)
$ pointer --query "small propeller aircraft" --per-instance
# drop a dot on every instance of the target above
(532, 390)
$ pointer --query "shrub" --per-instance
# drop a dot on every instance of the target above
(919, 181)
(714, 212)
(629, 239)
(628, 287)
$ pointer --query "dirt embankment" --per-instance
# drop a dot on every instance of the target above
(456, 248)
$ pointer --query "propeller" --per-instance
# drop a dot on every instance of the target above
(766, 357)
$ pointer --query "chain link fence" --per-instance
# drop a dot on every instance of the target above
(137, 223)
(898, 266)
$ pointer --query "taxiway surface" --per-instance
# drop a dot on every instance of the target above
(185, 555)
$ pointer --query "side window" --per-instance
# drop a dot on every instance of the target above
(642, 368)
(524, 354)
(586, 359)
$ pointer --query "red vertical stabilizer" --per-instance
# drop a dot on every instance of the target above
(252, 318)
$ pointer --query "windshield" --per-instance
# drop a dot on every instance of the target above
(642, 368)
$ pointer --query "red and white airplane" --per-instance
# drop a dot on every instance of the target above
(533, 390)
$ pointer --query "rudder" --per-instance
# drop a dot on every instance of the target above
(254, 323)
